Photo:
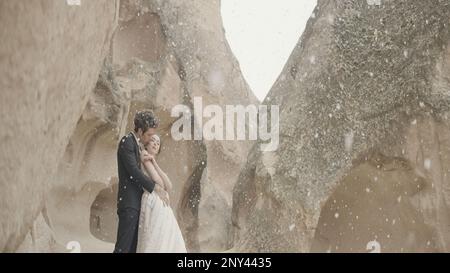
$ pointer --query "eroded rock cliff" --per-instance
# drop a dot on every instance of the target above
(50, 59)
(363, 150)
(70, 89)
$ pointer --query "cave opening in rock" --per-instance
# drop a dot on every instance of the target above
(372, 210)
(139, 37)
(103, 219)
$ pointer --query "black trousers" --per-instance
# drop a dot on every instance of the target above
(127, 233)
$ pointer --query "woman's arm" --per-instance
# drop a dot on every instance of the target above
(163, 175)
(148, 165)
(159, 184)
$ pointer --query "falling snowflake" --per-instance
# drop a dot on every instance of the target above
(348, 141)
(427, 164)
(73, 2)
(374, 2)
(405, 53)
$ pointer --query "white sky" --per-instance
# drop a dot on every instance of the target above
(262, 35)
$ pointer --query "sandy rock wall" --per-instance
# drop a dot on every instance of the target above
(367, 82)
(50, 60)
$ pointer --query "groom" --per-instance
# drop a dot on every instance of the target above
(132, 180)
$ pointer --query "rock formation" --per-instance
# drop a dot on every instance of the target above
(79, 79)
(208, 69)
(364, 154)
(364, 132)
(50, 59)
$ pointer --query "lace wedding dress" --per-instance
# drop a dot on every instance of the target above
(158, 228)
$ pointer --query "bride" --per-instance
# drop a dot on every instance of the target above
(158, 228)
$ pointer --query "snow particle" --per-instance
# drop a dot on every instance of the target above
(348, 141)
(73, 2)
(374, 2)
(427, 164)
(291, 227)
(405, 53)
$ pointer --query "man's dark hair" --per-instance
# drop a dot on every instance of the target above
(145, 119)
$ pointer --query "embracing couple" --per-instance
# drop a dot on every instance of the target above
(146, 220)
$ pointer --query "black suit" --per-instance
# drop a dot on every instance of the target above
(132, 182)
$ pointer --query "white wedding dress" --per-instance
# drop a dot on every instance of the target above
(158, 228)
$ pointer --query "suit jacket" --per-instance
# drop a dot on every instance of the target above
(132, 181)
